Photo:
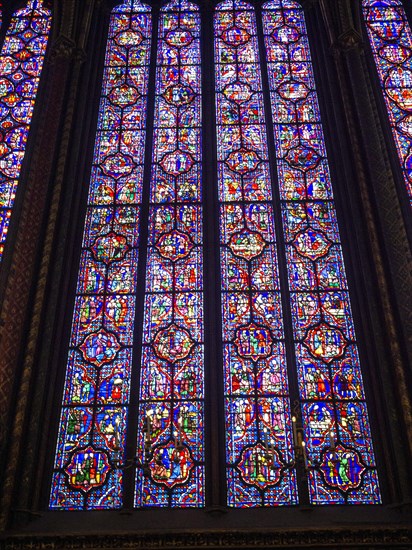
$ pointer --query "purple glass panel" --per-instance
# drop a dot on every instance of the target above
(96, 394)
(259, 449)
(170, 429)
(21, 62)
(391, 41)
(341, 464)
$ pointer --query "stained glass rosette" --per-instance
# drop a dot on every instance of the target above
(391, 41)
(258, 423)
(171, 427)
(335, 419)
(21, 62)
(96, 392)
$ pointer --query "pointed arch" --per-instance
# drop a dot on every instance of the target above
(21, 63)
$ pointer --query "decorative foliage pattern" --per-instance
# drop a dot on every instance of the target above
(391, 41)
(258, 423)
(21, 63)
(334, 416)
(170, 434)
(96, 391)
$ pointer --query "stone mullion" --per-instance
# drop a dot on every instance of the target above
(386, 234)
(24, 302)
(214, 393)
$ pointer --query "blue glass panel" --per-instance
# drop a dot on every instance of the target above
(259, 447)
(339, 454)
(94, 416)
(171, 432)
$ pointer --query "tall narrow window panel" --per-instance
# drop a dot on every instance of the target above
(170, 434)
(391, 42)
(339, 457)
(97, 387)
(259, 444)
(21, 62)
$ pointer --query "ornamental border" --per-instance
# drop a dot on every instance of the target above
(321, 538)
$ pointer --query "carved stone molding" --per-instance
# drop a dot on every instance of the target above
(308, 4)
(342, 23)
(63, 47)
(400, 538)
(349, 40)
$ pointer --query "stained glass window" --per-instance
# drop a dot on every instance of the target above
(97, 387)
(287, 326)
(21, 62)
(391, 41)
(341, 465)
(170, 437)
(258, 422)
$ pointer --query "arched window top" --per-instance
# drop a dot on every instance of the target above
(180, 5)
(131, 6)
(382, 3)
(35, 8)
(279, 4)
(233, 5)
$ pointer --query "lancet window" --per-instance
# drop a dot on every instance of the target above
(290, 375)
